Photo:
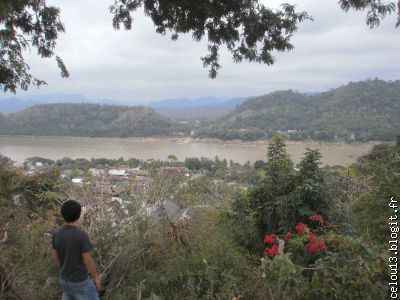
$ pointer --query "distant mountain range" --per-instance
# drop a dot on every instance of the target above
(176, 108)
(14, 104)
(199, 102)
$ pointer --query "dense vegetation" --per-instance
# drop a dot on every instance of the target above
(359, 111)
(88, 120)
(321, 232)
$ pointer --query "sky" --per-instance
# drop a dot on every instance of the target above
(140, 65)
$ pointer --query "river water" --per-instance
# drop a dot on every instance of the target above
(20, 148)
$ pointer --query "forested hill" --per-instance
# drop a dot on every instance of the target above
(88, 120)
(367, 110)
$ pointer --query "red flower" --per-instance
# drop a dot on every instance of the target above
(315, 218)
(272, 251)
(315, 245)
(288, 235)
(301, 228)
(270, 239)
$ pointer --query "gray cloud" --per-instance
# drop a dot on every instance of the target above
(140, 65)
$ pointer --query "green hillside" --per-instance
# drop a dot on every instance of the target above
(88, 120)
(367, 110)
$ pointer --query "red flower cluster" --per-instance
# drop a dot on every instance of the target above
(270, 239)
(288, 235)
(272, 251)
(315, 245)
(315, 218)
(301, 228)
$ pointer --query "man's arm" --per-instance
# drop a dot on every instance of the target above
(56, 259)
(91, 267)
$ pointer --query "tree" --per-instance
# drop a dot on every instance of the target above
(193, 163)
(25, 24)
(311, 195)
(278, 159)
(269, 199)
(285, 197)
(172, 158)
(259, 165)
(249, 30)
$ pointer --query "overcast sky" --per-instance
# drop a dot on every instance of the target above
(140, 65)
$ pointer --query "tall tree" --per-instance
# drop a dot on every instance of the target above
(311, 194)
(268, 200)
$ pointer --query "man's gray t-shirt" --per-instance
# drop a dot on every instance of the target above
(70, 242)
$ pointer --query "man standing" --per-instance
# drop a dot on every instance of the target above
(71, 251)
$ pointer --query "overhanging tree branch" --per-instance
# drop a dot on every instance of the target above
(26, 24)
(249, 30)
(376, 9)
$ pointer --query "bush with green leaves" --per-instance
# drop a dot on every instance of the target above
(380, 171)
(343, 267)
(286, 196)
(26, 259)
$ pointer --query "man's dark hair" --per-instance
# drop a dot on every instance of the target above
(71, 211)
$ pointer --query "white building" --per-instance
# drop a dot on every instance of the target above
(77, 181)
(117, 172)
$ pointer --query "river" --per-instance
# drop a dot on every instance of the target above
(20, 148)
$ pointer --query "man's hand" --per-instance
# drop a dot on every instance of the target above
(91, 267)
(55, 257)
(97, 282)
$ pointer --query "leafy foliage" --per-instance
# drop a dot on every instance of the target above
(269, 197)
(25, 24)
(29, 260)
(40, 192)
(311, 193)
(353, 269)
(377, 9)
(380, 169)
(8, 180)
